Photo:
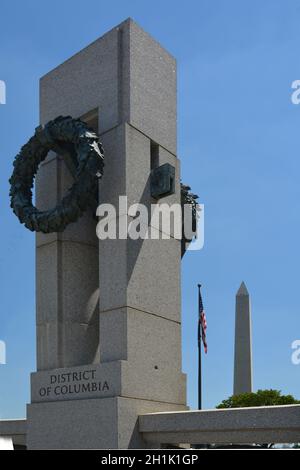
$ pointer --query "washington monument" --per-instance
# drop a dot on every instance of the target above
(243, 343)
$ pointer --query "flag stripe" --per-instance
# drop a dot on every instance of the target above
(203, 322)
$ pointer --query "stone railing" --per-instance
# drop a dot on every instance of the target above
(15, 431)
(274, 424)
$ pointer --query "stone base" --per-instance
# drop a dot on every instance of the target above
(104, 423)
(107, 380)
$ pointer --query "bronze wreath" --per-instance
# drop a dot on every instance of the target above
(74, 140)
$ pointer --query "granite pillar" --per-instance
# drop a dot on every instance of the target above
(108, 311)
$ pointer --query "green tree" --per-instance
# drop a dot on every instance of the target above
(260, 398)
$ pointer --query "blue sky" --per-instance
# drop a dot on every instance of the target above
(238, 142)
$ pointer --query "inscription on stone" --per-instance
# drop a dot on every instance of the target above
(73, 383)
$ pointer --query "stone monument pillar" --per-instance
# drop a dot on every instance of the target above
(243, 343)
(108, 311)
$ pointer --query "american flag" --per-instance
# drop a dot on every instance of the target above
(202, 323)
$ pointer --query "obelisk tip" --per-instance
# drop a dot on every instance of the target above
(242, 290)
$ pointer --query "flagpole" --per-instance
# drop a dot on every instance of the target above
(199, 355)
